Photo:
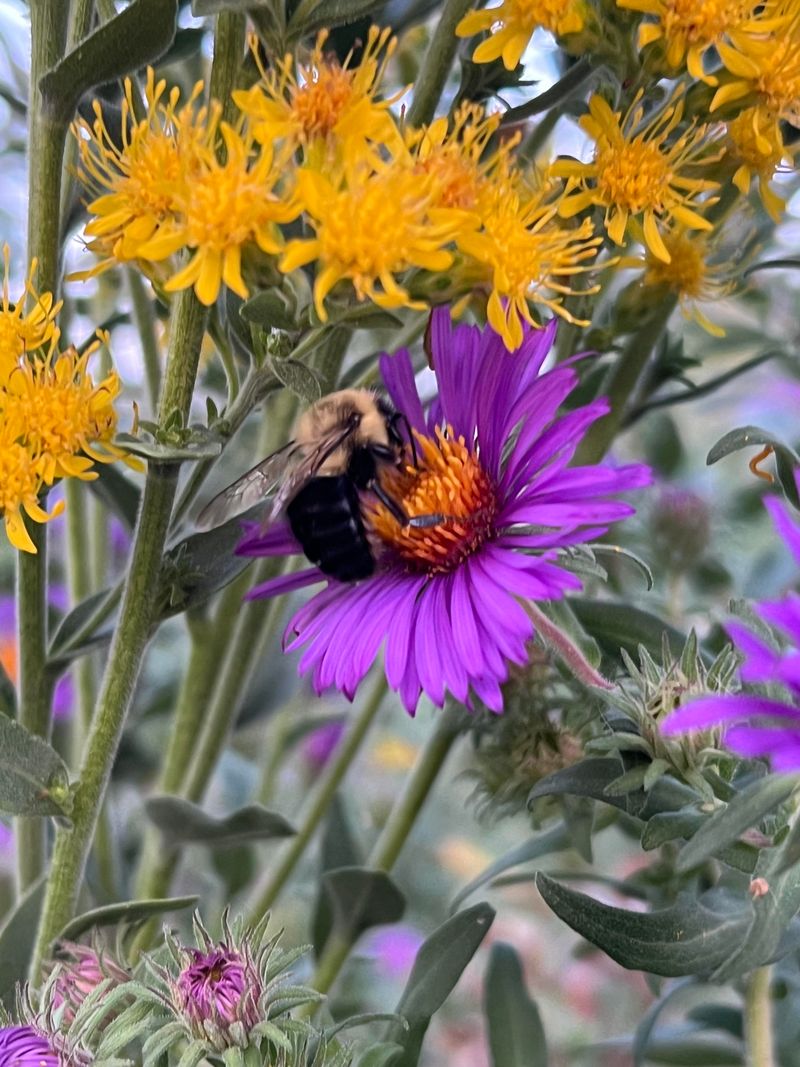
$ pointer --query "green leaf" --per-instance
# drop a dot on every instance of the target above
(132, 39)
(269, 310)
(556, 840)
(515, 1031)
(360, 898)
(74, 635)
(298, 379)
(17, 939)
(644, 1030)
(211, 7)
(439, 964)
(786, 459)
(182, 822)
(687, 938)
(331, 13)
(671, 825)
(339, 849)
(384, 1055)
(205, 446)
(127, 912)
(117, 492)
(588, 778)
(726, 825)
(33, 778)
(616, 625)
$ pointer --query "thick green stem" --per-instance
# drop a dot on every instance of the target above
(229, 43)
(80, 586)
(436, 65)
(130, 640)
(625, 377)
(758, 1020)
(394, 835)
(45, 156)
(320, 799)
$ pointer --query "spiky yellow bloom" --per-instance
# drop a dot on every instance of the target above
(226, 207)
(756, 144)
(766, 62)
(512, 24)
(66, 421)
(697, 273)
(641, 170)
(454, 154)
(371, 226)
(20, 485)
(21, 332)
(525, 254)
(139, 172)
(327, 105)
(689, 28)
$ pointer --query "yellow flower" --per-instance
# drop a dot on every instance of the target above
(65, 421)
(226, 207)
(142, 169)
(512, 25)
(371, 226)
(697, 273)
(640, 171)
(21, 332)
(20, 485)
(756, 144)
(689, 28)
(524, 254)
(326, 104)
(766, 62)
(451, 153)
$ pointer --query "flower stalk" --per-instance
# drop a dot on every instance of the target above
(758, 1019)
(436, 65)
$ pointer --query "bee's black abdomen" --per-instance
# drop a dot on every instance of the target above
(325, 517)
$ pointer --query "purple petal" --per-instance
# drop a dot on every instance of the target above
(753, 741)
(285, 583)
(398, 375)
(785, 522)
(730, 707)
(275, 540)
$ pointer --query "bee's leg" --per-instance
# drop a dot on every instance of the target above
(422, 522)
(391, 505)
(399, 417)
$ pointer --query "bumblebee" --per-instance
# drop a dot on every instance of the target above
(339, 445)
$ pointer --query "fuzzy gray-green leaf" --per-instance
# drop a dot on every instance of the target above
(515, 1031)
(182, 822)
(33, 777)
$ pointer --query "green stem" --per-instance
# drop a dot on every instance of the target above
(436, 65)
(144, 316)
(130, 639)
(758, 1019)
(45, 156)
(229, 41)
(320, 799)
(394, 835)
(625, 377)
(80, 586)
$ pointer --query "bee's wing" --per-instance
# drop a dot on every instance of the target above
(308, 464)
(253, 487)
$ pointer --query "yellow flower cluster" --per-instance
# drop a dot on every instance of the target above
(55, 422)
(512, 23)
(382, 206)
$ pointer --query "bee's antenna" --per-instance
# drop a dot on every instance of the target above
(391, 505)
(398, 416)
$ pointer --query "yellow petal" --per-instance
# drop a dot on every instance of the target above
(209, 277)
(17, 533)
(653, 238)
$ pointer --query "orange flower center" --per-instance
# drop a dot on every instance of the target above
(318, 104)
(449, 482)
(703, 22)
(634, 175)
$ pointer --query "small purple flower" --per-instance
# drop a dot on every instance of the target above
(758, 726)
(446, 602)
(394, 949)
(319, 745)
(21, 1046)
(218, 989)
(81, 971)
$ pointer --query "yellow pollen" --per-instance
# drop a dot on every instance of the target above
(19, 478)
(318, 105)
(686, 272)
(634, 174)
(448, 481)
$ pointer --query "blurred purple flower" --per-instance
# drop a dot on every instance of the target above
(446, 600)
(757, 725)
(63, 696)
(21, 1046)
(219, 987)
(394, 948)
(318, 745)
(78, 975)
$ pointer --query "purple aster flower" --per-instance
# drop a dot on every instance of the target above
(446, 602)
(394, 948)
(21, 1046)
(756, 725)
(80, 971)
(318, 746)
(218, 988)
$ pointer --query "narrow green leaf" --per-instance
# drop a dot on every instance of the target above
(516, 1034)
(17, 938)
(182, 822)
(439, 964)
(117, 492)
(616, 625)
(644, 1030)
(33, 778)
(360, 898)
(127, 912)
(207, 447)
(688, 938)
(727, 824)
(298, 379)
(384, 1055)
(339, 849)
(212, 7)
(269, 310)
(64, 647)
(671, 825)
(132, 39)
(331, 13)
